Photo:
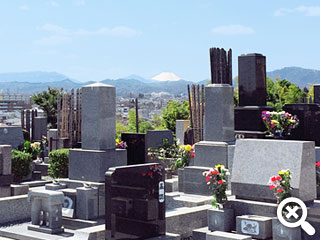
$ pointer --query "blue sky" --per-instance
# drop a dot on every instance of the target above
(95, 40)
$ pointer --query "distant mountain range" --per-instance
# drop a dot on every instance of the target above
(33, 82)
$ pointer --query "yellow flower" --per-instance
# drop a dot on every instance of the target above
(117, 141)
(274, 121)
(188, 148)
(281, 172)
(181, 146)
(219, 166)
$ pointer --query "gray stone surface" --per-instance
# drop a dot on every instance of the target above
(184, 220)
(46, 210)
(281, 232)
(209, 154)
(39, 128)
(219, 113)
(180, 179)
(15, 208)
(18, 189)
(52, 133)
(55, 186)
(181, 127)
(5, 160)
(154, 138)
(98, 117)
(194, 182)
(200, 233)
(248, 207)
(218, 235)
(171, 185)
(231, 149)
(5, 191)
(11, 136)
(258, 227)
(91, 165)
(264, 158)
(87, 203)
(221, 219)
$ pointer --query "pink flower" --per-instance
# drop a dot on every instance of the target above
(279, 190)
(318, 164)
(220, 182)
(272, 187)
(208, 179)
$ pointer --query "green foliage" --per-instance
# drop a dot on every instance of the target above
(59, 161)
(47, 101)
(21, 163)
(120, 128)
(281, 92)
(157, 121)
(173, 111)
(144, 126)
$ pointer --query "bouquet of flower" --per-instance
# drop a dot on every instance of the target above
(217, 179)
(279, 123)
(318, 173)
(184, 155)
(44, 141)
(121, 144)
(280, 185)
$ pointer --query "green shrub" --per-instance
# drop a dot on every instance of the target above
(59, 161)
(21, 163)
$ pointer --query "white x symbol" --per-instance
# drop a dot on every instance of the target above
(292, 212)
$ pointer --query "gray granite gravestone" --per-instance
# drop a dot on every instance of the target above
(181, 128)
(219, 113)
(98, 151)
(11, 136)
(154, 138)
(256, 160)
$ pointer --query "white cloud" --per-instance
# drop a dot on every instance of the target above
(307, 11)
(54, 4)
(53, 40)
(233, 30)
(80, 2)
(61, 35)
(24, 7)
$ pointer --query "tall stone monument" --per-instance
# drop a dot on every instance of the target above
(98, 151)
(218, 127)
(252, 94)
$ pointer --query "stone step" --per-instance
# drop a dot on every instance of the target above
(200, 233)
(38, 183)
(217, 235)
(172, 185)
(178, 200)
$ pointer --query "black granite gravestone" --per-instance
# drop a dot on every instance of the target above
(309, 121)
(135, 201)
(252, 80)
(316, 93)
(136, 147)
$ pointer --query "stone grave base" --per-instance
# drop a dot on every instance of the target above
(45, 229)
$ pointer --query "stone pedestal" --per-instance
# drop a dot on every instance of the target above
(39, 128)
(181, 128)
(46, 211)
(193, 181)
(221, 219)
(219, 113)
(87, 203)
(91, 165)
(19, 189)
(256, 226)
(98, 116)
(248, 118)
(281, 232)
(52, 139)
(256, 160)
(55, 186)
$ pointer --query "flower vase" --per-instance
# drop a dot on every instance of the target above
(221, 219)
(278, 134)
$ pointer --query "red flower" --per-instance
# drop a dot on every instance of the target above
(279, 190)
(318, 164)
(272, 187)
(208, 179)
(274, 178)
(143, 174)
(279, 178)
(150, 174)
(220, 182)
(215, 172)
(192, 155)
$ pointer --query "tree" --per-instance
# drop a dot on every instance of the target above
(173, 111)
(144, 126)
(120, 128)
(157, 121)
(47, 101)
